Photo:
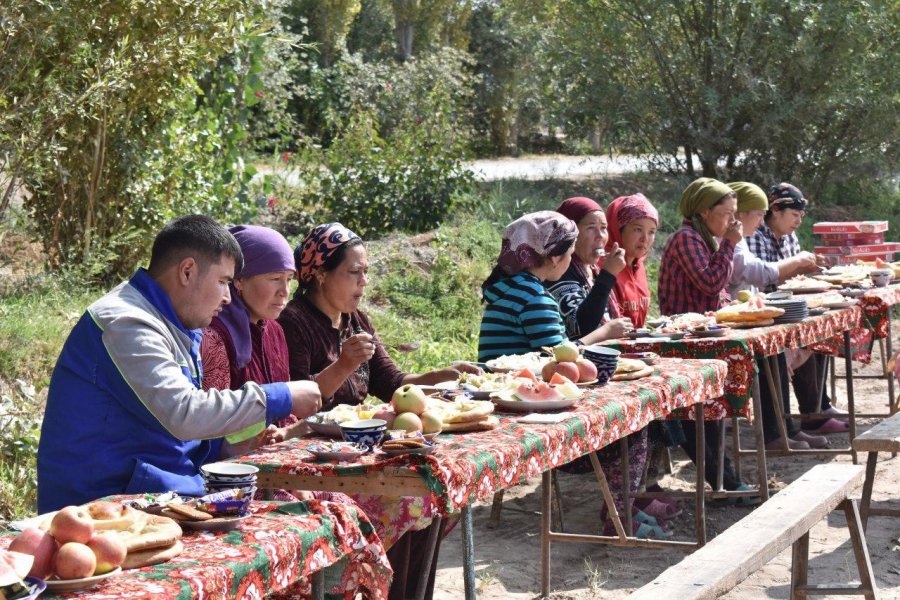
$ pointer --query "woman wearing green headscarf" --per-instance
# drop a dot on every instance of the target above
(695, 269)
(696, 266)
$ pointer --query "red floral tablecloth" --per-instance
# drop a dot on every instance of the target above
(876, 308)
(469, 467)
(739, 347)
(273, 553)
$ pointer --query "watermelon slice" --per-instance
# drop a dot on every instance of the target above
(537, 392)
(558, 379)
(880, 263)
(526, 374)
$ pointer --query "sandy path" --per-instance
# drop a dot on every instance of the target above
(508, 558)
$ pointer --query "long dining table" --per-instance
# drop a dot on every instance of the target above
(281, 550)
(466, 468)
(740, 348)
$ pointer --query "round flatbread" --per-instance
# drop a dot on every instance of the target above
(486, 424)
(646, 371)
(157, 532)
(153, 556)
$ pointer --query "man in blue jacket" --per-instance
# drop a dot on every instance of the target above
(126, 412)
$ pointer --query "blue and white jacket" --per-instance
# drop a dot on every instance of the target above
(126, 412)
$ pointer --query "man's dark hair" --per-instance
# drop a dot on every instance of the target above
(196, 236)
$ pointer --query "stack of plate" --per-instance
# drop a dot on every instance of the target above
(222, 476)
(795, 310)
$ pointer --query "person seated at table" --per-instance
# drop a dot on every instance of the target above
(244, 342)
(125, 412)
(633, 222)
(776, 240)
(330, 340)
(582, 293)
(751, 271)
(693, 274)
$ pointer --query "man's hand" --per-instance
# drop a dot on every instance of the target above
(306, 399)
(616, 328)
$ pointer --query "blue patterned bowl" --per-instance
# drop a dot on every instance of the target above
(605, 359)
(368, 432)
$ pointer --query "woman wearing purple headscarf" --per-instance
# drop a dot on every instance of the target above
(245, 342)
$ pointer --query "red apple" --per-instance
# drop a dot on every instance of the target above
(39, 544)
(548, 370)
(586, 369)
(569, 370)
(72, 524)
(387, 414)
(74, 561)
(109, 550)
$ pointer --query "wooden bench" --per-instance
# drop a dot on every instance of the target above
(753, 541)
(884, 437)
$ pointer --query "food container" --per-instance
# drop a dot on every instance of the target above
(605, 359)
(850, 227)
(881, 277)
(368, 432)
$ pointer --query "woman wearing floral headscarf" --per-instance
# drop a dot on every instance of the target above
(694, 272)
(329, 339)
(633, 222)
(333, 343)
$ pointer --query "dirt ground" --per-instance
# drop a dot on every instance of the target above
(508, 558)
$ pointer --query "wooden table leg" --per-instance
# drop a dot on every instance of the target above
(761, 468)
(860, 549)
(625, 462)
(871, 464)
(720, 455)
(700, 449)
(496, 506)
(736, 447)
(773, 378)
(545, 533)
(851, 401)
(468, 553)
(799, 564)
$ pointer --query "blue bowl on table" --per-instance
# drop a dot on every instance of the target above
(605, 359)
(368, 432)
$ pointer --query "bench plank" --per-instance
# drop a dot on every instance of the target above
(884, 437)
(756, 539)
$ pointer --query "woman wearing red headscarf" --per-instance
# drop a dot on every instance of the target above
(633, 222)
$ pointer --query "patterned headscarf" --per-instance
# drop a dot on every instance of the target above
(265, 251)
(317, 247)
(624, 210)
(700, 195)
(576, 208)
(785, 195)
(749, 196)
(530, 239)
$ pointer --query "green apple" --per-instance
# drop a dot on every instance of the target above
(408, 398)
(566, 352)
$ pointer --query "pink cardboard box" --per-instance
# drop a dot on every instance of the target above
(871, 249)
(850, 239)
(850, 226)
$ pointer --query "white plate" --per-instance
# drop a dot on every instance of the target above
(72, 585)
(845, 304)
(351, 453)
(326, 429)
(653, 340)
(226, 471)
(534, 405)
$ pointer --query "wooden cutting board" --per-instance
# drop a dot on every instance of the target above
(153, 556)
(748, 324)
(485, 424)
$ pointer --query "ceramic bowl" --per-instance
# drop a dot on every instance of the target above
(881, 278)
(227, 472)
(368, 432)
(605, 359)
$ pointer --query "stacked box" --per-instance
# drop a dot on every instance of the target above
(846, 242)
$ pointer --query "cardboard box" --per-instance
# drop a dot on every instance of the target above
(851, 259)
(871, 249)
(850, 226)
(850, 239)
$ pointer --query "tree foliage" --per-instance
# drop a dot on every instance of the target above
(120, 115)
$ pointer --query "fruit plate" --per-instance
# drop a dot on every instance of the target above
(401, 451)
(340, 452)
(216, 524)
(327, 429)
(58, 586)
(534, 405)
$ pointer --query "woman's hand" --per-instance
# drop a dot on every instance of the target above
(462, 366)
(615, 260)
(356, 350)
(272, 435)
(735, 232)
(616, 328)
